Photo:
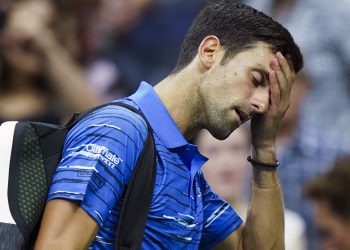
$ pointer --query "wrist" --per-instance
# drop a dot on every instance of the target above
(264, 175)
(266, 154)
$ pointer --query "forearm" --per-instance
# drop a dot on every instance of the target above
(65, 226)
(69, 239)
(67, 77)
(264, 227)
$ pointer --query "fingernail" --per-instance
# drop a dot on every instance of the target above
(279, 54)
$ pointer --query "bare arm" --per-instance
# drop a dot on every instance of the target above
(265, 220)
(65, 226)
(264, 228)
(68, 78)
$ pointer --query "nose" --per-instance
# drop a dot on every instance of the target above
(260, 100)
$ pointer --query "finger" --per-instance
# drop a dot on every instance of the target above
(275, 95)
(282, 82)
(286, 68)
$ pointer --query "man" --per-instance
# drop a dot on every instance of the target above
(330, 194)
(230, 69)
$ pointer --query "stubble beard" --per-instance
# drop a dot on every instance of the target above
(220, 125)
(215, 120)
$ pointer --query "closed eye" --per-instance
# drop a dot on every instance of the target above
(257, 78)
(256, 82)
(260, 77)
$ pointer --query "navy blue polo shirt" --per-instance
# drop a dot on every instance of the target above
(99, 156)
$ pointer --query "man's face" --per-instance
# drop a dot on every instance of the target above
(335, 231)
(233, 92)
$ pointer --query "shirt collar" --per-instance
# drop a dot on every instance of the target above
(158, 116)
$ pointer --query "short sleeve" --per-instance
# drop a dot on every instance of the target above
(219, 219)
(99, 155)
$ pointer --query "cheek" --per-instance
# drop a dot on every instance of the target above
(242, 91)
(342, 233)
(338, 232)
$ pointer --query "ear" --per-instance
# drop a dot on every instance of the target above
(209, 51)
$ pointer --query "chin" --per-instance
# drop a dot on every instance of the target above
(222, 134)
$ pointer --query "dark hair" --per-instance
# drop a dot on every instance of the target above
(238, 27)
(333, 187)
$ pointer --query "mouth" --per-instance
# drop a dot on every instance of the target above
(243, 116)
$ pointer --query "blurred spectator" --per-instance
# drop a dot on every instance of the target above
(40, 79)
(322, 127)
(227, 173)
(330, 194)
(227, 170)
(101, 34)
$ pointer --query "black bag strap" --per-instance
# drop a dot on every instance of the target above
(81, 115)
(139, 192)
(138, 196)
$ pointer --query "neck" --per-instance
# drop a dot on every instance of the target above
(178, 93)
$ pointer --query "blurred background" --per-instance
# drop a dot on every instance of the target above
(61, 56)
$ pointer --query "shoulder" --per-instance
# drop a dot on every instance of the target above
(116, 114)
(112, 119)
(113, 127)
